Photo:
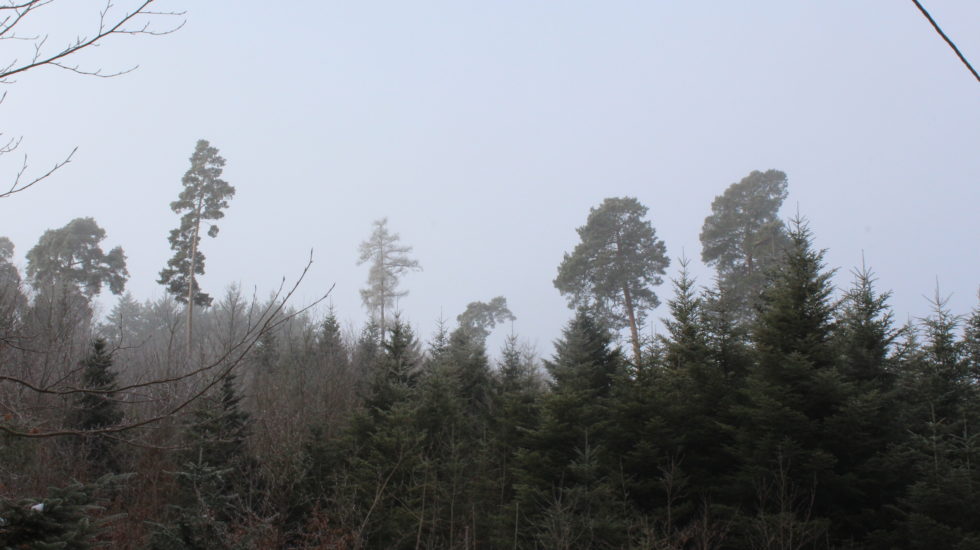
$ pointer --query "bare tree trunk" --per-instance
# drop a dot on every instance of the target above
(634, 332)
(190, 278)
(381, 260)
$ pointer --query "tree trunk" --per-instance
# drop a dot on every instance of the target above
(381, 260)
(628, 301)
(190, 275)
(634, 332)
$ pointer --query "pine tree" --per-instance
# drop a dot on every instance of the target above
(612, 270)
(516, 416)
(743, 237)
(204, 197)
(694, 395)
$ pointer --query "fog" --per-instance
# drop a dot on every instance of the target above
(485, 133)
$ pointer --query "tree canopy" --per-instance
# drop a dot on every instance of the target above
(204, 197)
(389, 261)
(71, 257)
(614, 268)
(743, 236)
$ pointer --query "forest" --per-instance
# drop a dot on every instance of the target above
(762, 407)
(774, 412)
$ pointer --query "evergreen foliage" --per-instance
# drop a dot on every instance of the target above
(559, 491)
(809, 422)
(204, 197)
(794, 390)
(70, 259)
(70, 518)
(96, 408)
(612, 270)
(744, 237)
(213, 478)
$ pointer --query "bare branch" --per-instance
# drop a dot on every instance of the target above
(271, 317)
(20, 185)
(107, 27)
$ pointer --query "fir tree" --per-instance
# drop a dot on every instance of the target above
(96, 408)
(868, 424)
(331, 350)
(213, 479)
(70, 517)
(794, 388)
(574, 419)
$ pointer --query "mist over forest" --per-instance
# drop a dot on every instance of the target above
(500, 361)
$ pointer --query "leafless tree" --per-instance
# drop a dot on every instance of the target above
(163, 389)
(26, 49)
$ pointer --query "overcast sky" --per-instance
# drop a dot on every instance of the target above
(485, 132)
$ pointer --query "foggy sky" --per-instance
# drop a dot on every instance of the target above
(486, 131)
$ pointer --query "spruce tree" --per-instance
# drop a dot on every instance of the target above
(213, 478)
(331, 351)
(941, 407)
(868, 424)
(71, 517)
(96, 408)
(794, 387)
(383, 488)
(574, 423)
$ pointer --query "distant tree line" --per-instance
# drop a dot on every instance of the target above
(772, 413)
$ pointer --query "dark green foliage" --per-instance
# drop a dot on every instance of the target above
(380, 485)
(213, 478)
(397, 370)
(70, 258)
(69, 518)
(467, 357)
(97, 408)
(204, 197)
(743, 237)
(971, 345)
(941, 458)
(612, 270)
(559, 491)
(794, 388)
(217, 434)
(867, 426)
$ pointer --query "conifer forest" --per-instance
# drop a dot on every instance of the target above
(774, 402)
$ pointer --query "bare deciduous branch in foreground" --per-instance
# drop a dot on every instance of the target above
(138, 20)
(271, 317)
